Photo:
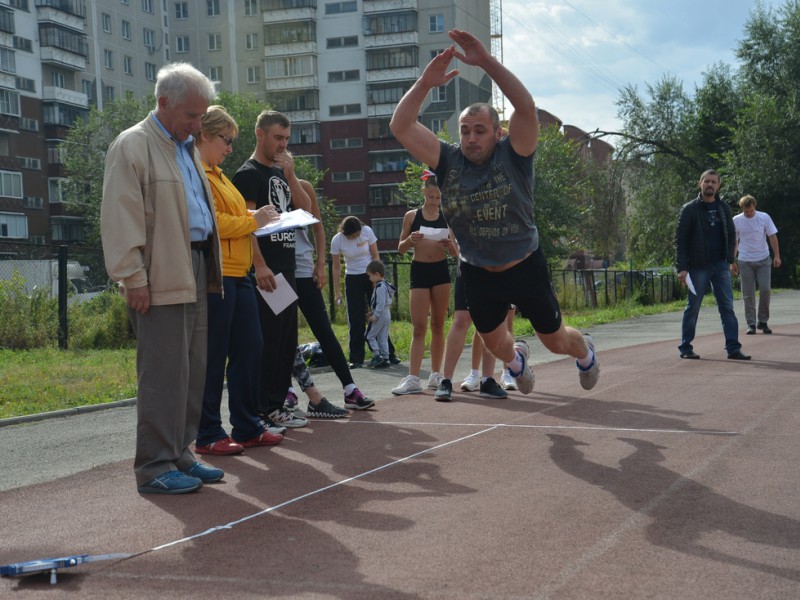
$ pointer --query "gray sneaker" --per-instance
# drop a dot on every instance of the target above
(445, 391)
(286, 419)
(590, 376)
(525, 379)
(491, 389)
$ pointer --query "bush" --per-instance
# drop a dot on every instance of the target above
(26, 321)
(100, 323)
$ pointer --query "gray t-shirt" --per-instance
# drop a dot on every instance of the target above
(304, 253)
(489, 207)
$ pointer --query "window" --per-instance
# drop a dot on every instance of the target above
(215, 41)
(438, 125)
(341, 143)
(346, 176)
(108, 92)
(350, 41)
(351, 75)
(387, 93)
(212, 8)
(11, 184)
(149, 39)
(29, 124)
(439, 94)
(23, 83)
(21, 43)
(253, 74)
(33, 202)
(306, 133)
(181, 44)
(147, 6)
(385, 195)
(67, 228)
(126, 29)
(181, 10)
(290, 66)
(290, 32)
(397, 22)
(387, 229)
(250, 8)
(378, 129)
(58, 80)
(393, 58)
(106, 22)
(251, 41)
(215, 73)
(13, 225)
(88, 88)
(9, 103)
(127, 63)
(108, 59)
(395, 160)
(335, 8)
(149, 71)
(340, 110)
(436, 23)
(8, 61)
(32, 164)
(350, 209)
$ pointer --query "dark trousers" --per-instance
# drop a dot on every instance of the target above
(312, 305)
(233, 337)
(358, 291)
(280, 344)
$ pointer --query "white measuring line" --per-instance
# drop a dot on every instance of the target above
(317, 491)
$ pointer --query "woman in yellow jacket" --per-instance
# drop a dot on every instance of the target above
(233, 332)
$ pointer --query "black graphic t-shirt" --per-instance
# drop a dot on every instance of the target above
(267, 185)
(489, 207)
(715, 241)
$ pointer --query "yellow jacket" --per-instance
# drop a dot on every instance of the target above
(234, 222)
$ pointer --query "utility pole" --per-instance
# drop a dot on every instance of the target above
(496, 36)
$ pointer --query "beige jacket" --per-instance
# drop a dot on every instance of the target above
(144, 220)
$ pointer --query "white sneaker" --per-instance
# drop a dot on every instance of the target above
(409, 385)
(472, 383)
(434, 380)
(589, 377)
(507, 381)
(286, 419)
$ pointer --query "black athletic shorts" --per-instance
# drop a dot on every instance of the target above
(427, 275)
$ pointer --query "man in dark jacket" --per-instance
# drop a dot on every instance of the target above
(705, 240)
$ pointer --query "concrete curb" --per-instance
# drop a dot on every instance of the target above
(78, 410)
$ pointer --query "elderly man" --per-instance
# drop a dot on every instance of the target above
(161, 245)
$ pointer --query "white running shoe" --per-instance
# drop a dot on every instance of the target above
(287, 419)
(507, 381)
(589, 377)
(472, 383)
(409, 385)
(434, 380)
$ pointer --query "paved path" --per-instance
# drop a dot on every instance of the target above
(671, 479)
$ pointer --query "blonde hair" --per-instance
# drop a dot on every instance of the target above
(217, 121)
(747, 201)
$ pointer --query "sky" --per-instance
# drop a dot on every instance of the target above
(575, 55)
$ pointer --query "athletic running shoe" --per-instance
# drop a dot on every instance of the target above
(491, 389)
(205, 473)
(271, 426)
(286, 419)
(357, 401)
(325, 410)
(591, 375)
(224, 447)
(472, 383)
(409, 385)
(434, 380)
(171, 482)
(378, 363)
(525, 378)
(290, 403)
(445, 391)
(507, 381)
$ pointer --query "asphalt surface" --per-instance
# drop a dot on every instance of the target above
(671, 479)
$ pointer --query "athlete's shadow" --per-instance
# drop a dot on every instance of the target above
(683, 512)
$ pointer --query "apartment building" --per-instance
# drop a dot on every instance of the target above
(336, 68)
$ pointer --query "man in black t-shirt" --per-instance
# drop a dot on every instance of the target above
(705, 240)
(268, 177)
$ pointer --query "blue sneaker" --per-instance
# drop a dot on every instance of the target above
(205, 473)
(171, 482)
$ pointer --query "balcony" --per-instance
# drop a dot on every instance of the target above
(8, 81)
(57, 94)
(63, 12)
(290, 49)
(297, 82)
(373, 6)
(289, 14)
(378, 40)
(302, 116)
(381, 110)
(62, 58)
(396, 74)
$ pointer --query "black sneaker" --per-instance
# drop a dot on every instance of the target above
(444, 392)
(270, 425)
(491, 389)
(357, 401)
(325, 410)
(394, 360)
(764, 328)
(355, 365)
(378, 363)
(751, 330)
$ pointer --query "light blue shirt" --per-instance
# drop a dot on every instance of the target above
(201, 222)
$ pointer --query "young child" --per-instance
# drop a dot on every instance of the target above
(380, 317)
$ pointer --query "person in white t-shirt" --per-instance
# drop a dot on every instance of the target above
(754, 265)
(358, 245)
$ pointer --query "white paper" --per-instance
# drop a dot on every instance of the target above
(281, 297)
(288, 220)
(689, 283)
(435, 233)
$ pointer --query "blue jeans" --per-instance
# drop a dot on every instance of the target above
(719, 276)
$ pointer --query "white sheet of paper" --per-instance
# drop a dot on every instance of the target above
(281, 297)
(689, 284)
(288, 220)
(435, 233)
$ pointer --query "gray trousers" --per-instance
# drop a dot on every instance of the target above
(171, 350)
(751, 273)
(378, 335)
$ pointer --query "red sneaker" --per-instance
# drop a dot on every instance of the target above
(223, 447)
(265, 439)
